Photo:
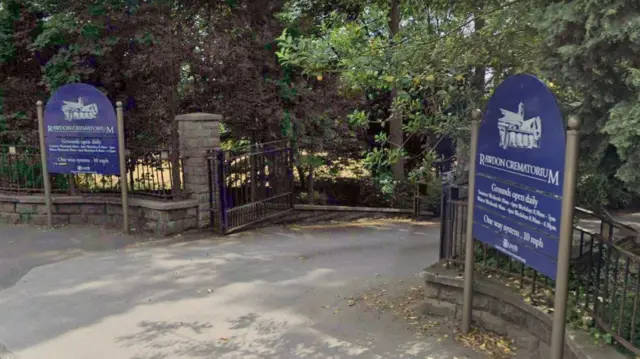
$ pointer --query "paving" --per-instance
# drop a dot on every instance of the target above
(270, 293)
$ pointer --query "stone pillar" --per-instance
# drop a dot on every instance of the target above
(199, 133)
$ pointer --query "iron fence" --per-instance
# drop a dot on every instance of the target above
(249, 185)
(604, 271)
(150, 173)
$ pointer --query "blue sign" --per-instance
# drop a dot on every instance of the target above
(522, 137)
(520, 173)
(81, 134)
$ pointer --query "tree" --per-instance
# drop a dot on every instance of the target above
(399, 77)
(591, 51)
(20, 74)
(433, 72)
(143, 54)
(162, 57)
(396, 135)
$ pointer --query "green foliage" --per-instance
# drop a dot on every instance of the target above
(332, 76)
(236, 145)
(423, 75)
(9, 12)
(22, 171)
(586, 47)
(358, 118)
(378, 162)
(433, 196)
(310, 161)
(596, 191)
(424, 173)
(590, 47)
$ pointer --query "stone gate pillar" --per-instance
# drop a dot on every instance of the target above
(199, 133)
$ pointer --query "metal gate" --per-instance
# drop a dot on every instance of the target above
(250, 185)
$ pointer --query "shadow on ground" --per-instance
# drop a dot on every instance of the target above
(273, 293)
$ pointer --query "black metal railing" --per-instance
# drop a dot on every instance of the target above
(604, 271)
(150, 173)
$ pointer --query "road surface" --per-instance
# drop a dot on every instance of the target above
(271, 293)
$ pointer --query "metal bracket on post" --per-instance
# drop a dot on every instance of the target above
(566, 237)
(467, 305)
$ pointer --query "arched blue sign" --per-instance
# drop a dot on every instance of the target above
(519, 173)
(81, 134)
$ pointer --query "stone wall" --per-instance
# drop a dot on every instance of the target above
(499, 310)
(199, 134)
(156, 217)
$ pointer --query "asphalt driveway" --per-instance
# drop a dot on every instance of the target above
(271, 293)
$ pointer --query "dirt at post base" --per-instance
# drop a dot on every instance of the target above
(403, 300)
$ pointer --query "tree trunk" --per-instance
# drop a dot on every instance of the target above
(131, 164)
(73, 189)
(478, 83)
(480, 70)
(302, 176)
(311, 191)
(396, 136)
(175, 151)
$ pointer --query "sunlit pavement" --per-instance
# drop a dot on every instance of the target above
(271, 293)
